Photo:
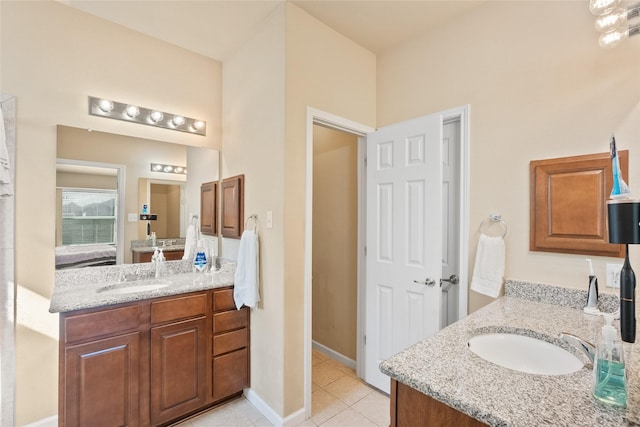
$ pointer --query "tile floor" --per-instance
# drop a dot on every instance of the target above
(338, 399)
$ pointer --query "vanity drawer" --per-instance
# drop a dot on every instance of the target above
(223, 300)
(230, 320)
(101, 323)
(229, 341)
(178, 308)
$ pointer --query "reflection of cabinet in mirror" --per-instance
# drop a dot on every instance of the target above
(208, 208)
(568, 204)
(232, 194)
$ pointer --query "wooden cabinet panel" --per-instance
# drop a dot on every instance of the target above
(410, 408)
(230, 320)
(230, 374)
(102, 382)
(178, 308)
(232, 195)
(97, 324)
(230, 341)
(208, 208)
(223, 300)
(178, 365)
(568, 204)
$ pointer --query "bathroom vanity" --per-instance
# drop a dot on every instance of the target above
(155, 351)
(440, 381)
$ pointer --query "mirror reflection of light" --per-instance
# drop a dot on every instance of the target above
(33, 313)
(105, 105)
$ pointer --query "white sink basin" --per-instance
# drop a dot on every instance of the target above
(120, 288)
(524, 354)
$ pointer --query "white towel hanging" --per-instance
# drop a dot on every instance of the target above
(488, 270)
(246, 280)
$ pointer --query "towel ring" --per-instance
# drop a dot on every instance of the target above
(253, 218)
(494, 219)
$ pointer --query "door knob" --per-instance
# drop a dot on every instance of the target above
(428, 281)
(453, 279)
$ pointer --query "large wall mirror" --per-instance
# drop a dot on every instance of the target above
(103, 180)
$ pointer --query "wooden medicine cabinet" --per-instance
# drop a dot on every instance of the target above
(568, 211)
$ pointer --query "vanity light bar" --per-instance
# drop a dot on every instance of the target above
(159, 167)
(132, 113)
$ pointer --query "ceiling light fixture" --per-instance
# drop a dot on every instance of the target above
(160, 167)
(121, 111)
(613, 21)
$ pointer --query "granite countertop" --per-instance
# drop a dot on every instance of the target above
(93, 287)
(443, 367)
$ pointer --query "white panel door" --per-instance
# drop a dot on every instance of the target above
(404, 239)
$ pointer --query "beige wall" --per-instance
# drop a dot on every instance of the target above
(328, 72)
(252, 144)
(539, 87)
(335, 238)
(52, 58)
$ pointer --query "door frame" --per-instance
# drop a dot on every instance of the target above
(322, 118)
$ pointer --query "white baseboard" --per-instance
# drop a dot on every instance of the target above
(45, 422)
(271, 415)
(338, 357)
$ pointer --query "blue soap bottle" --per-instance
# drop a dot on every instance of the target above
(610, 382)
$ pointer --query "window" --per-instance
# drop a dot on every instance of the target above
(88, 216)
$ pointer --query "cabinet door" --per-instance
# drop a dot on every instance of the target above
(178, 369)
(208, 211)
(230, 374)
(102, 382)
(232, 194)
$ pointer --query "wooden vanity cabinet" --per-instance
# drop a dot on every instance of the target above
(171, 255)
(230, 356)
(152, 362)
(410, 408)
(178, 356)
(100, 367)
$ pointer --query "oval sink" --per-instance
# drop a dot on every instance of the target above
(119, 288)
(524, 354)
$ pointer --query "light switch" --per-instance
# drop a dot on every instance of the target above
(132, 217)
(269, 219)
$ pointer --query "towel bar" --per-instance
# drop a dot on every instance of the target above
(493, 219)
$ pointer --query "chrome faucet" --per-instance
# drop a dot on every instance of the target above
(588, 348)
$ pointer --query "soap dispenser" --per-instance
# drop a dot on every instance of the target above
(610, 385)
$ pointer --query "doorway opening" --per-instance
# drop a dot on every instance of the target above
(316, 119)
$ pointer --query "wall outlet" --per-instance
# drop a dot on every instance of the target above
(132, 217)
(613, 275)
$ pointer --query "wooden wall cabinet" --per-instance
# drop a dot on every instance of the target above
(568, 211)
(152, 362)
(232, 194)
(208, 208)
(410, 408)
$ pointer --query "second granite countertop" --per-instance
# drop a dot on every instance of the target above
(443, 368)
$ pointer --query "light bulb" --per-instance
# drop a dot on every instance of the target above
(177, 121)
(197, 125)
(602, 7)
(132, 111)
(156, 167)
(178, 170)
(155, 116)
(613, 38)
(611, 21)
(105, 105)
(168, 168)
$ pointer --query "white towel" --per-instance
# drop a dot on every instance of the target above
(489, 268)
(189, 241)
(6, 184)
(245, 289)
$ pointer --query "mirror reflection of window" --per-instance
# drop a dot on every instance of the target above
(88, 216)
